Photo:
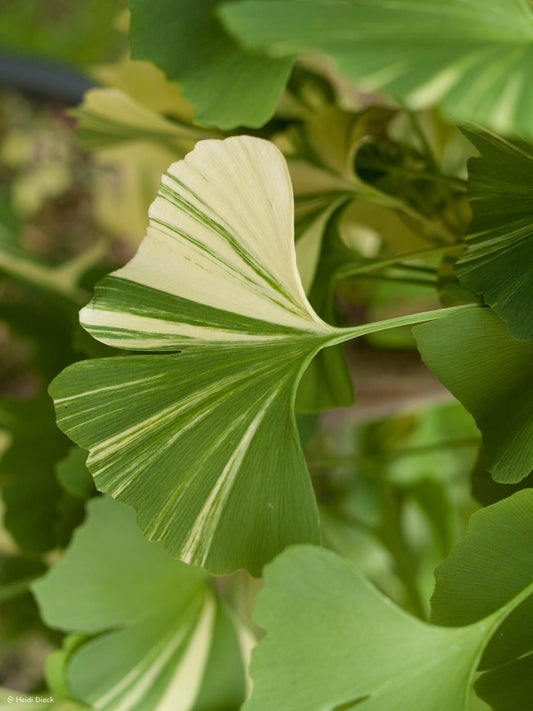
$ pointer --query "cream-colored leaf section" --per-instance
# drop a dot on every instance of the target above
(221, 234)
(94, 318)
(182, 691)
(183, 688)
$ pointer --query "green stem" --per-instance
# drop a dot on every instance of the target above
(346, 334)
(393, 455)
(16, 588)
(392, 537)
(447, 180)
(431, 283)
(420, 134)
(355, 269)
(40, 275)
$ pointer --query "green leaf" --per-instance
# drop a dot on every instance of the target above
(321, 154)
(227, 85)
(156, 620)
(499, 255)
(485, 571)
(328, 626)
(475, 358)
(203, 443)
(73, 475)
(487, 491)
(471, 58)
(27, 474)
(508, 688)
(109, 117)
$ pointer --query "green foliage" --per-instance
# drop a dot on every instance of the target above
(154, 628)
(326, 624)
(474, 356)
(228, 86)
(75, 33)
(420, 54)
(343, 216)
(497, 261)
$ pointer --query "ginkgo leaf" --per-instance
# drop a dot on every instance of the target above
(327, 625)
(492, 564)
(155, 622)
(499, 257)
(109, 116)
(203, 443)
(474, 356)
(227, 85)
(471, 57)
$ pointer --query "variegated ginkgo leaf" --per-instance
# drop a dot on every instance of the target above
(154, 629)
(201, 440)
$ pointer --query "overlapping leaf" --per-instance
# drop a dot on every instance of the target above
(473, 355)
(192, 440)
(472, 57)
(159, 626)
(109, 117)
(227, 85)
(355, 649)
(485, 571)
(498, 261)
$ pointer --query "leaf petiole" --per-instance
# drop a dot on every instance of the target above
(346, 334)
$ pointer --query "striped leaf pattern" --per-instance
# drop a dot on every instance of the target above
(471, 57)
(154, 622)
(200, 439)
(498, 262)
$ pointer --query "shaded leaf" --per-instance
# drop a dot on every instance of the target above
(487, 491)
(227, 85)
(473, 355)
(73, 475)
(109, 117)
(486, 570)
(27, 474)
(471, 58)
(157, 621)
(508, 688)
(499, 256)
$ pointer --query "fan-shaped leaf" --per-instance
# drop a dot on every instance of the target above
(499, 259)
(157, 620)
(473, 355)
(326, 624)
(203, 443)
(227, 85)
(472, 57)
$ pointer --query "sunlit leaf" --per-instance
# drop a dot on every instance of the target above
(227, 85)
(187, 438)
(328, 626)
(473, 355)
(499, 257)
(157, 620)
(472, 58)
